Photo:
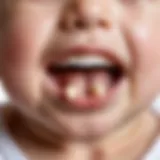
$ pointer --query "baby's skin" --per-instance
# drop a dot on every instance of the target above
(81, 76)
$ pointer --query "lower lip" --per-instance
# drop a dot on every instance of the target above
(92, 103)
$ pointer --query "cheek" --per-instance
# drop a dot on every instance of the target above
(26, 37)
(25, 40)
(147, 61)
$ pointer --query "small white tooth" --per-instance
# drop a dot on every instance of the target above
(87, 61)
(73, 91)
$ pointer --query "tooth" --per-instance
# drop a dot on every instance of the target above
(71, 92)
(87, 61)
(98, 89)
(74, 91)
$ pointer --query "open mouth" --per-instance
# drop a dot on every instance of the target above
(86, 82)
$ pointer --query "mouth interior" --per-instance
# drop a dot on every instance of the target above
(115, 72)
(85, 86)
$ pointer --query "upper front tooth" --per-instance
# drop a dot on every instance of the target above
(87, 61)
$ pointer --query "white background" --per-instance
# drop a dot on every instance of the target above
(3, 95)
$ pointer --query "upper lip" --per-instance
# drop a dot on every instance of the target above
(90, 50)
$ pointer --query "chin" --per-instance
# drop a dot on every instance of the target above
(88, 134)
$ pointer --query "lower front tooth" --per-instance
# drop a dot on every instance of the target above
(74, 91)
(71, 92)
(98, 89)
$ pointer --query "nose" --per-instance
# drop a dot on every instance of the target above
(85, 14)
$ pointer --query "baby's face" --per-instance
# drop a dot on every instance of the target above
(81, 67)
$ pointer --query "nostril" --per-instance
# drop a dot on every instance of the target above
(76, 24)
(63, 26)
(79, 24)
(104, 24)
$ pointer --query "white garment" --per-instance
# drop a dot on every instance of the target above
(10, 151)
(154, 153)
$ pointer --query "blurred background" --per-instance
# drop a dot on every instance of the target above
(3, 95)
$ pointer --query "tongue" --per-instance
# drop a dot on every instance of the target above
(84, 90)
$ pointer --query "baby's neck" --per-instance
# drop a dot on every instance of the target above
(125, 143)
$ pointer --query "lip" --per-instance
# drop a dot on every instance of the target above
(93, 104)
(90, 51)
